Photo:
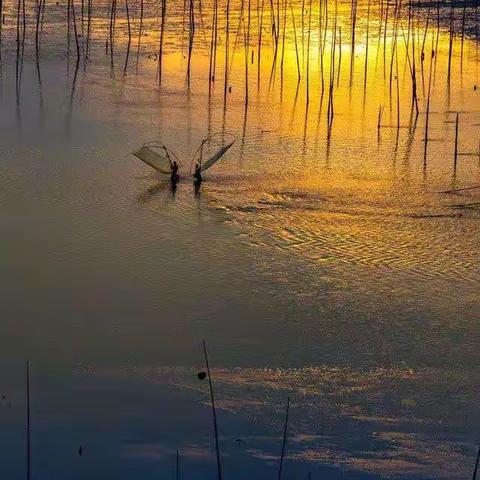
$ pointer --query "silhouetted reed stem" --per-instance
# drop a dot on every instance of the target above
(309, 37)
(215, 426)
(177, 466)
(464, 14)
(68, 27)
(75, 32)
(247, 47)
(284, 441)
(282, 61)
(474, 477)
(113, 9)
(227, 53)
(161, 42)
(140, 31)
(366, 47)
(260, 37)
(450, 44)
(28, 429)
(1, 25)
(191, 38)
(296, 42)
(455, 155)
(354, 29)
(89, 28)
(129, 32)
(37, 29)
(213, 46)
(427, 115)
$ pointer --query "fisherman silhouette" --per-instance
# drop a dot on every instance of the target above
(174, 171)
(198, 174)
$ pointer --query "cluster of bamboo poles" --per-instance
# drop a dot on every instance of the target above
(312, 27)
(279, 18)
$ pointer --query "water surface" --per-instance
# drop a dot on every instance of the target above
(321, 262)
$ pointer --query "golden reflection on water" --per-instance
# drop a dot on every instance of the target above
(331, 179)
(356, 188)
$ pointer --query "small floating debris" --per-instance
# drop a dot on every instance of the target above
(202, 375)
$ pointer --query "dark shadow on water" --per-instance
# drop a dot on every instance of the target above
(154, 190)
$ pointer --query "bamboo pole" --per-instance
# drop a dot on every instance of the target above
(213, 50)
(464, 14)
(366, 47)
(161, 41)
(191, 39)
(260, 37)
(282, 60)
(111, 30)
(284, 441)
(74, 22)
(247, 48)
(354, 28)
(89, 29)
(140, 31)
(215, 426)
(476, 465)
(177, 466)
(129, 32)
(450, 44)
(309, 36)
(296, 42)
(455, 155)
(1, 25)
(227, 53)
(28, 429)
(427, 115)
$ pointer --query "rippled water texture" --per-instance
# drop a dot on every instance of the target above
(329, 257)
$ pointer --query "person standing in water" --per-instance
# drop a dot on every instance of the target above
(198, 174)
(174, 172)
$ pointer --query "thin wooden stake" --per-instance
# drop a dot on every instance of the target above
(28, 453)
(476, 465)
(427, 118)
(455, 159)
(177, 466)
(140, 28)
(162, 37)
(284, 442)
(215, 426)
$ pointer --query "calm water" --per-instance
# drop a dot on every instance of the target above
(321, 264)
